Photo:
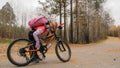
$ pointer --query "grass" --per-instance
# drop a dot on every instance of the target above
(5, 40)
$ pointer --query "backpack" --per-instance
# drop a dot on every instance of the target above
(40, 21)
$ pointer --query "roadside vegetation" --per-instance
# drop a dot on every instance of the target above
(6, 40)
(85, 21)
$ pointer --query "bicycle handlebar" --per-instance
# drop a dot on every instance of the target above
(54, 27)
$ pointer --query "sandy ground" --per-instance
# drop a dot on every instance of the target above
(105, 54)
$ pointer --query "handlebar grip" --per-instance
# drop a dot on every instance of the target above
(60, 27)
(48, 22)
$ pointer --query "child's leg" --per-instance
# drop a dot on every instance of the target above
(35, 35)
(30, 36)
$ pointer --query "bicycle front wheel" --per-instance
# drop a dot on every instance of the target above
(63, 51)
(17, 53)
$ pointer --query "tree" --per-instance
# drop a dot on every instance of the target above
(60, 16)
(7, 15)
(7, 19)
(87, 19)
(9, 28)
(77, 22)
(71, 21)
(65, 23)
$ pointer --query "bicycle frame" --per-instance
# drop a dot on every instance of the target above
(50, 37)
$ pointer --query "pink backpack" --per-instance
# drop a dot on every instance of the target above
(40, 21)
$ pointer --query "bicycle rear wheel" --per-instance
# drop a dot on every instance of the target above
(63, 51)
(17, 52)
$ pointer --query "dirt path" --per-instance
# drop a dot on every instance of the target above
(101, 55)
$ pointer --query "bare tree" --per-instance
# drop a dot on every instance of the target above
(71, 21)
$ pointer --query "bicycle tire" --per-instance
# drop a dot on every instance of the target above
(10, 56)
(61, 58)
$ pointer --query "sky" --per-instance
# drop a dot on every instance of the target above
(22, 7)
(113, 7)
(28, 7)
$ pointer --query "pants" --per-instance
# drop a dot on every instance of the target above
(30, 36)
(33, 37)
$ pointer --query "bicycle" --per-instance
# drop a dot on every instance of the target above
(21, 51)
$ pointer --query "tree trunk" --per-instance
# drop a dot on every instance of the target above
(77, 22)
(71, 22)
(65, 24)
(60, 17)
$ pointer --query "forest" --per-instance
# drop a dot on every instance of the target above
(85, 21)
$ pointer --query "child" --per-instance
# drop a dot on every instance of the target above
(38, 26)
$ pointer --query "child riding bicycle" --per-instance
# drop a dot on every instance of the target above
(38, 26)
(27, 49)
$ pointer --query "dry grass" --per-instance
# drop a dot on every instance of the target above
(3, 50)
(113, 51)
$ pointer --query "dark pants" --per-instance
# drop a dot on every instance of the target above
(30, 36)
(32, 40)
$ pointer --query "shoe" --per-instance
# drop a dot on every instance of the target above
(36, 60)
